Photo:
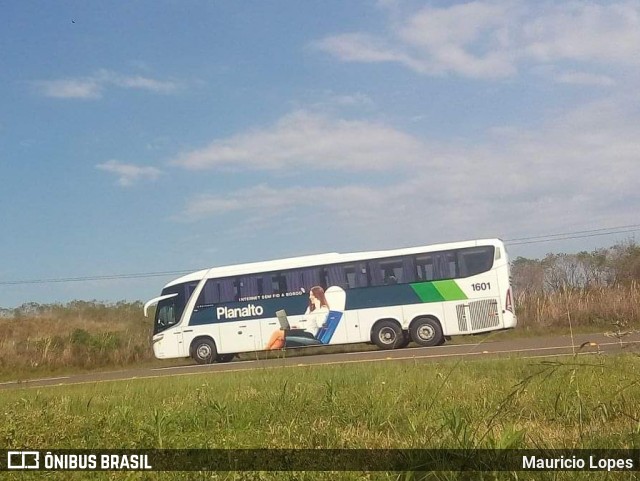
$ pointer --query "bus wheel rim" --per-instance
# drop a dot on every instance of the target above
(387, 335)
(204, 351)
(426, 332)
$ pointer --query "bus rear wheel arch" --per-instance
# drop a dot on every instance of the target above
(387, 334)
(203, 350)
(426, 331)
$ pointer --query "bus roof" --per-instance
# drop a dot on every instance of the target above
(320, 260)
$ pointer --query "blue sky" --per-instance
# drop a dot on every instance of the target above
(158, 136)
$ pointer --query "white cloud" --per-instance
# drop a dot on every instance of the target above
(129, 174)
(358, 47)
(584, 78)
(579, 170)
(469, 39)
(492, 39)
(107, 77)
(70, 88)
(93, 86)
(357, 99)
(607, 33)
(303, 139)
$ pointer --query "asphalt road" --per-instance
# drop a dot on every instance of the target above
(583, 344)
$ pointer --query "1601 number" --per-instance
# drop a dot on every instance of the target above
(481, 286)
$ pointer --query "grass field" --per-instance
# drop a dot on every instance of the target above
(583, 402)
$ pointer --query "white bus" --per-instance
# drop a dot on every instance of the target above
(389, 298)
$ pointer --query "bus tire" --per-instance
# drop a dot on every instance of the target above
(225, 357)
(427, 332)
(203, 350)
(387, 334)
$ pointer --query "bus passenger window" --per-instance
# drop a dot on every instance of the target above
(444, 265)
(279, 284)
(350, 272)
(424, 268)
(249, 286)
(228, 290)
(475, 260)
(336, 276)
(392, 272)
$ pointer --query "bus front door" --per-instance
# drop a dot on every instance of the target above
(173, 345)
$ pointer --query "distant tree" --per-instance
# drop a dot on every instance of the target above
(625, 260)
(527, 277)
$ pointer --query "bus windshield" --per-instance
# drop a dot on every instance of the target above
(169, 311)
(165, 315)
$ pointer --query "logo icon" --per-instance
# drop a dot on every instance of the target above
(23, 460)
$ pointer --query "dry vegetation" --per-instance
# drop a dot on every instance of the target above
(84, 335)
(598, 289)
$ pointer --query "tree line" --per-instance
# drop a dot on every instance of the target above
(618, 265)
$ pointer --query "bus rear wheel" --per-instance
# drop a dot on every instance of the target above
(387, 335)
(426, 332)
(203, 351)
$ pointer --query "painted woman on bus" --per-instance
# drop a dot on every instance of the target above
(316, 312)
(315, 316)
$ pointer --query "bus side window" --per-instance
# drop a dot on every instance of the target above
(297, 280)
(376, 276)
(444, 265)
(189, 288)
(475, 260)
(249, 286)
(228, 291)
(279, 284)
(210, 293)
(363, 275)
(424, 267)
(337, 276)
(408, 269)
(313, 276)
(357, 275)
(350, 274)
(392, 272)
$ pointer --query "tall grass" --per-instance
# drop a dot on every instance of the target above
(599, 307)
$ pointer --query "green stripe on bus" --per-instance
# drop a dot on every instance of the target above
(450, 290)
(438, 291)
(427, 292)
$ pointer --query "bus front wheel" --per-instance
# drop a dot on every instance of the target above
(387, 335)
(426, 332)
(203, 351)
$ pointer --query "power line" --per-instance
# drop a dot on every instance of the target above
(624, 229)
(96, 278)
(574, 235)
